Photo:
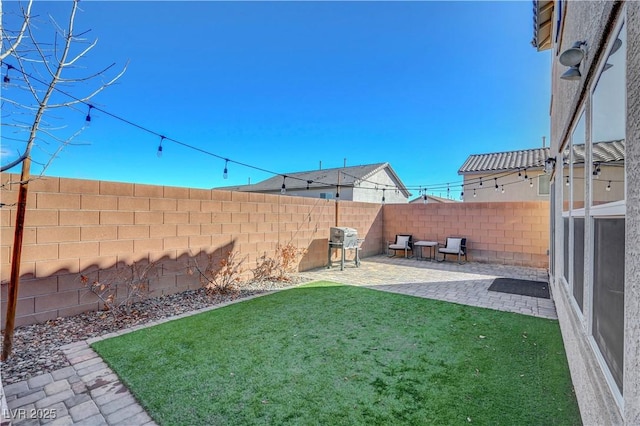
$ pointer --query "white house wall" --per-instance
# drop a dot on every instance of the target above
(597, 23)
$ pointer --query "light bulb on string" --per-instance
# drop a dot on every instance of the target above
(309, 182)
(531, 182)
(159, 152)
(474, 193)
(608, 188)
(519, 174)
(462, 192)
(503, 189)
(6, 78)
(283, 190)
(88, 117)
(337, 192)
(567, 182)
(225, 173)
(480, 181)
(383, 190)
(496, 182)
(525, 174)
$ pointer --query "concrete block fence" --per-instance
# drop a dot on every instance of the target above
(76, 226)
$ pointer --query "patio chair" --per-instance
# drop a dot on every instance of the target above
(456, 246)
(402, 242)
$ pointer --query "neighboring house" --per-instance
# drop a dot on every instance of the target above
(520, 175)
(369, 183)
(594, 262)
(432, 199)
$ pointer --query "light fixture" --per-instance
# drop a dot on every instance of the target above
(474, 193)
(567, 182)
(496, 181)
(383, 189)
(572, 58)
(225, 173)
(531, 182)
(159, 152)
(608, 188)
(88, 117)
(596, 169)
(549, 165)
(309, 182)
(6, 78)
(503, 189)
(574, 55)
(283, 190)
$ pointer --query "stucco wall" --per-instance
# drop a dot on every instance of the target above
(594, 22)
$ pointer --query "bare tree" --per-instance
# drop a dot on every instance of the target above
(40, 76)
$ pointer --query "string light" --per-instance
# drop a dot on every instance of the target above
(503, 189)
(225, 172)
(519, 173)
(383, 189)
(596, 171)
(474, 193)
(6, 78)
(525, 174)
(608, 188)
(309, 182)
(567, 182)
(496, 181)
(531, 182)
(283, 190)
(338, 192)
(159, 153)
(462, 192)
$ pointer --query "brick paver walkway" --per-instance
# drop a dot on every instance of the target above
(89, 393)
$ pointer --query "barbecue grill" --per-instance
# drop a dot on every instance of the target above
(343, 238)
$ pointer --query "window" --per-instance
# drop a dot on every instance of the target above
(543, 184)
(607, 213)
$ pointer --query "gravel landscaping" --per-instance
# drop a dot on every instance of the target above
(36, 348)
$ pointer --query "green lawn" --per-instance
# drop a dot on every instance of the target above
(328, 354)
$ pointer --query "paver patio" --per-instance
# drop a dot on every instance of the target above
(89, 393)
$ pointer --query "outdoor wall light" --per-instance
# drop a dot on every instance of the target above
(549, 164)
(572, 58)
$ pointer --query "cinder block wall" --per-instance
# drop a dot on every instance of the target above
(78, 227)
(514, 233)
(87, 227)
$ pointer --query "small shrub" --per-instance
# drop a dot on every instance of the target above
(221, 274)
(132, 279)
(279, 269)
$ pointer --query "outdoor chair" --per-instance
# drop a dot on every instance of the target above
(402, 242)
(455, 246)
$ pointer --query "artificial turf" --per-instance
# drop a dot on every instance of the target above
(330, 354)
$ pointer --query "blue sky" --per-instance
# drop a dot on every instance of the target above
(283, 86)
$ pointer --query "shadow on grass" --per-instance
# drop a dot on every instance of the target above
(324, 353)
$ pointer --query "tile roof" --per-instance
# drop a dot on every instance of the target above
(321, 178)
(603, 152)
(511, 160)
(542, 24)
